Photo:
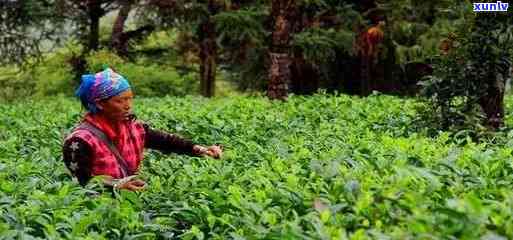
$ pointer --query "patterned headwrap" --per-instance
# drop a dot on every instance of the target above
(99, 86)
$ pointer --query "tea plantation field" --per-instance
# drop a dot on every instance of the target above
(320, 167)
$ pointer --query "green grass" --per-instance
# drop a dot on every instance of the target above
(320, 167)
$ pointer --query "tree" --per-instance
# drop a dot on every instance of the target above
(219, 31)
(208, 49)
(120, 38)
(85, 19)
(284, 15)
(491, 63)
(368, 50)
(197, 17)
(469, 78)
(243, 38)
(403, 35)
(25, 27)
(323, 45)
(319, 30)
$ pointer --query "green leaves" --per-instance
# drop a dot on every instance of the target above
(320, 167)
(468, 84)
(321, 45)
(241, 25)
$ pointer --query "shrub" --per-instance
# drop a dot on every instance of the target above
(13, 84)
(54, 76)
(468, 83)
(146, 78)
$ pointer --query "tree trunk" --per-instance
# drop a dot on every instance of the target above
(95, 12)
(119, 42)
(208, 55)
(279, 72)
(208, 50)
(304, 76)
(79, 66)
(279, 76)
(365, 75)
(492, 104)
(391, 75)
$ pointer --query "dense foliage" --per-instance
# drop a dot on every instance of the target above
(321, 167)
(236, 36)
(470, 78)
(155, 76)
(317, 167)
(28, 29)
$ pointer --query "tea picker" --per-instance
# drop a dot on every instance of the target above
(109, 141)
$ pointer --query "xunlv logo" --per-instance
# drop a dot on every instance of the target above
(491, 7)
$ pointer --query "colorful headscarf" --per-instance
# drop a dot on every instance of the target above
(99, 86)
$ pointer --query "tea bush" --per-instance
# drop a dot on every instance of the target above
(321, 167)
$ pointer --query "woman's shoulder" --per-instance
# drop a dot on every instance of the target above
(79, 133)
(75, 142)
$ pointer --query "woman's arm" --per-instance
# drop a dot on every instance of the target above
(76, 155)
(169, 143)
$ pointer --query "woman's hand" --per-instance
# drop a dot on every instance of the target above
(214, 151)
(132, 185)
(128, 183)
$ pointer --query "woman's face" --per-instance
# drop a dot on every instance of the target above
(117, 108)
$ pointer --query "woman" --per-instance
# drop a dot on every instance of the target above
(110, 142)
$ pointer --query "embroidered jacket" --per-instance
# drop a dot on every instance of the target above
(86, 156)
